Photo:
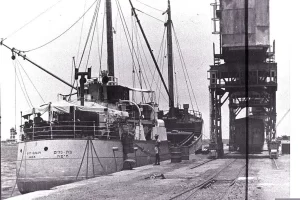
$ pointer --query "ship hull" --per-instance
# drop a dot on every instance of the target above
(44, 164)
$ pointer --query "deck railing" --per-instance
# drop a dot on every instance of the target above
(192, 112)
(71, 129)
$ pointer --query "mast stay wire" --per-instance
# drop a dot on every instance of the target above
(141, 74)
(176, 84)
(159, 52)
(88, 36)
(150, 6)
(120, 10)
(141, 60)
(185, 76)
(49, 8)
(126, 31)
(30, 80)
(160, 83)
(185, 67)
(86, 39)
(81, 32)
(151, 72)
(131, 39)
(161, 60)
(95, 25)
(140, 46)
(18, 69)
(149, 15)
(61, 33)
(162, 63)
(102, 39)
(132, 57)
(15, 98)
(28, 102)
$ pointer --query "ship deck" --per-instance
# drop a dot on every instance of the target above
(267, 179)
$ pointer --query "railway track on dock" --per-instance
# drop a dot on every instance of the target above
(215, 177)
(206, 161)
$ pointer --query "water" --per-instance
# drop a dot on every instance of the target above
(8, 170)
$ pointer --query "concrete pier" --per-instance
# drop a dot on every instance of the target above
(145, 182)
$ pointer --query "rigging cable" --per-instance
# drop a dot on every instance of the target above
(150, 6)
(86, 40)
(15, 98)
(96, 20)
(176, 84)
(62, 32)
(30, 80)
(159, 52)
(72, 67)
(141, 74)
(132, 58)
(185, 76)
(32, 20)
(127, 34)
(100, 54)
(140, 62)
(162, 66)
(30, 105)
(88, 36)
(81, 32)
(149, 15)
(148, 65)
(185, 67)
(162, 63)
(24, 85)
(117, 50)
(152, 73)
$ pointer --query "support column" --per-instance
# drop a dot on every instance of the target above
(231, 126)
(215, 119)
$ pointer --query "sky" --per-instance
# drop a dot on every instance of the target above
(193, 26)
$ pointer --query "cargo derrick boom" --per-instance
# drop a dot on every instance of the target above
(244, 71)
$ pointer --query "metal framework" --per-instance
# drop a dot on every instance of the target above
(256, 92)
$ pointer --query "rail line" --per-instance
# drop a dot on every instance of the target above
(205, 183)
(202, 163)
(206, 161)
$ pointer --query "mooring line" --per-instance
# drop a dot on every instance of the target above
(19, 170)
(82, 159)
(97, 156)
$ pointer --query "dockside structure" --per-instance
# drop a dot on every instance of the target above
(244, 70)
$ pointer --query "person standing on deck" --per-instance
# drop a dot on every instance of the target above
(157, 150)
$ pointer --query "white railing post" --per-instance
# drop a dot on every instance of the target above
(33, 131)
(74, 120)
(51, 131)
(94, 128)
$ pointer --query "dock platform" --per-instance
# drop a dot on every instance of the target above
(225, 179)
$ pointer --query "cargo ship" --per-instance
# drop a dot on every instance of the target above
(184, 125)
(101, 131)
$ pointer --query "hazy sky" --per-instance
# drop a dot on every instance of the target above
(192, 21)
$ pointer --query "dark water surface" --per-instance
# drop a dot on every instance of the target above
(8, 170)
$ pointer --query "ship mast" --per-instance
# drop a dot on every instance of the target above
(170, 61)
(110, 41)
